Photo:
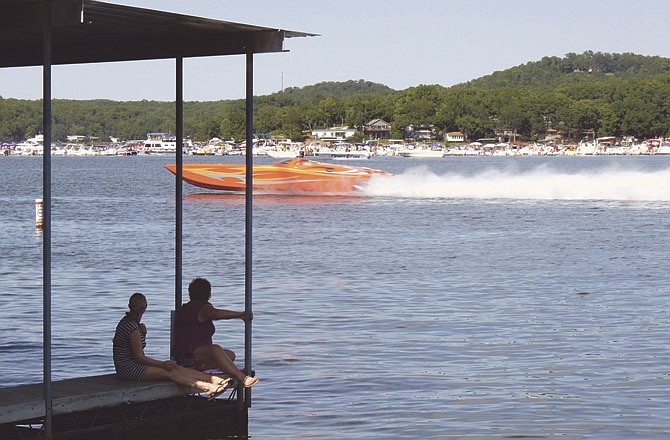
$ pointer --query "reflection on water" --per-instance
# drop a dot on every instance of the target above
(271, 199)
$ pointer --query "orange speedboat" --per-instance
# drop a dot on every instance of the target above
(292, 176)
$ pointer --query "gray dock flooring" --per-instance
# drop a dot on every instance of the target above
(26, 402)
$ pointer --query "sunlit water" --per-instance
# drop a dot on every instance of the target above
(463, 297)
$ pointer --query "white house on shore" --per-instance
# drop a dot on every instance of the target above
(333, 133)
(420, 132)
(455, 136)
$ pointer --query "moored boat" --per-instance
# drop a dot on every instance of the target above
(285, 149)
(663, 148)
(290, 176)
(414, 151)
(343, 154)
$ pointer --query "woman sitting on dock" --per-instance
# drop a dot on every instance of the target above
(132, 364)
(194, 329)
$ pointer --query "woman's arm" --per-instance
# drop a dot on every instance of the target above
(209, 312)
(140, 357)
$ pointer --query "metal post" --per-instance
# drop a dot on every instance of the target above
(179, 183)
(46, 226)
(179, 133)
(248, 242)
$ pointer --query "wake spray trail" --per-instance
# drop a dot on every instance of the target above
(537, 184)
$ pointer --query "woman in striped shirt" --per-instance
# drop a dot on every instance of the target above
(132, 364)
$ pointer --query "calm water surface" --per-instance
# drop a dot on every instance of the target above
(465, 297)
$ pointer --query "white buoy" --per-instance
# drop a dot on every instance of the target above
(39, 213)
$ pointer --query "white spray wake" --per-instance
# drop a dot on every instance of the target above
(538, 184)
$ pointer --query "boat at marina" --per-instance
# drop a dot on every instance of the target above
(420, 151)
(350, 155)
(30, 147)
(663, 148)
(342, 151)
(285, 149)
(292, 176)
(163, 143)
(160, 143)
(344, 154)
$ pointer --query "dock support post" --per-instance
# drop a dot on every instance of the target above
(179, 133)
(248, 242)
(46, 226)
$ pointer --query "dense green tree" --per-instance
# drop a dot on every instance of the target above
(233, 126)
(331, 112)
(291, 124)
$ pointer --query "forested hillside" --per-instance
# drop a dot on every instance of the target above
(552, 72)
(317, 92)
(590, 93)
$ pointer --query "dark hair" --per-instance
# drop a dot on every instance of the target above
(136, 302)
(199, 289)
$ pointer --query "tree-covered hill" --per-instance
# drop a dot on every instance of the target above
(316, 92)
(573, 68)
(596, 93)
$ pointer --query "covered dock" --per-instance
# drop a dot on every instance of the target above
(55, 32)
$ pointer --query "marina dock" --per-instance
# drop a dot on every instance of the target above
(116, 409)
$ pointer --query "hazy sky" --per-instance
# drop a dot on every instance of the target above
(396, 43)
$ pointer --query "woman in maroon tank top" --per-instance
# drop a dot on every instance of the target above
(194, 328)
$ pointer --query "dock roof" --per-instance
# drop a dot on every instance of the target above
(88, 31)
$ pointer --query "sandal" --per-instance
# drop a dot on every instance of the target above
(250, 381)
(223, 386)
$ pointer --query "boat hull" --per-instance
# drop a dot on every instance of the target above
(291, 176)
(421, 153)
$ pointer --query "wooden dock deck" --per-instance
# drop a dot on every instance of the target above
(116, 409)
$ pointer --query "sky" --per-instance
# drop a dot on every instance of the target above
(397, 43)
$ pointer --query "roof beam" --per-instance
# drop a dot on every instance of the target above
(17, 14)
(89, 31)
(148, 49)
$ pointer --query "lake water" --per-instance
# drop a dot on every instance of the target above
(464, 297)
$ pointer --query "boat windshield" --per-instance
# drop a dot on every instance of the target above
(298, 161)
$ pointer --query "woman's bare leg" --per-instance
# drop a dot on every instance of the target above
(230, 353)
(186, 377)
(213, 356)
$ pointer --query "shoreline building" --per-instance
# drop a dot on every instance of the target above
(377, 129)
